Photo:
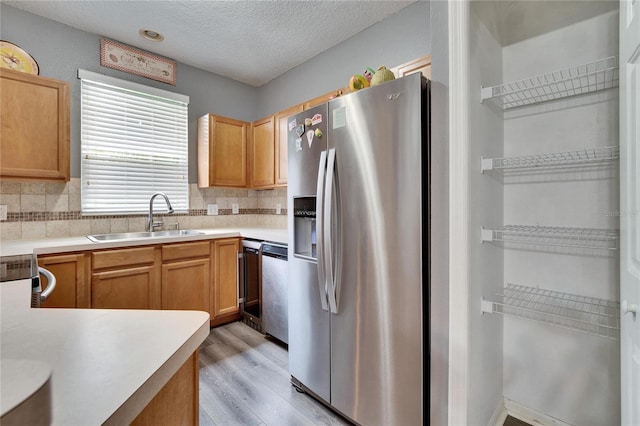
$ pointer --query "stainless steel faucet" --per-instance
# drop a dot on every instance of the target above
(151, 225)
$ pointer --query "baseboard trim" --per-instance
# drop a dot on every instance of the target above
(499, 415)
(529, 415)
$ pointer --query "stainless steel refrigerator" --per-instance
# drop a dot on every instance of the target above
(358, 265)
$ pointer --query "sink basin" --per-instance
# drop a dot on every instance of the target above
(140, 235)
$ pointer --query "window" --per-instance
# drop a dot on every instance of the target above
(134, 143)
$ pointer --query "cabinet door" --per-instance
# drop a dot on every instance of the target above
(419, 65)
(130, 288)
(186, 285)
(282, 134)
(225, 297)
(71, 281)
(262, 154)
(222, 152)
(34, 122)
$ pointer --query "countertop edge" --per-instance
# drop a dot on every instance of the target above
(82, 243)
(131, 408)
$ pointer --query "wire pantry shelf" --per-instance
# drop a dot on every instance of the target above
(567, 158)
(585, 314)
(580, 79)
(589, 238)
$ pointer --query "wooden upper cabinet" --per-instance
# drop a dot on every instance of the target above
(282, 136)
(262, 154)
(418, 65)
(222, 151)
(34, 121)
(325, 98)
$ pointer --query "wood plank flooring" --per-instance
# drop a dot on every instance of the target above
(244, 380)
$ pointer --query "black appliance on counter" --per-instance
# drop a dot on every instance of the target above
(22, 267)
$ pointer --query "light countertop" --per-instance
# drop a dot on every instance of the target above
(62, 245)
(107, 364)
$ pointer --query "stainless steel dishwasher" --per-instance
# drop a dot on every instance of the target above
(275, 291)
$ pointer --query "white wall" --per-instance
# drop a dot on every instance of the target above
(485, 361)
(398, 39)
(60, 50)
(565, 374)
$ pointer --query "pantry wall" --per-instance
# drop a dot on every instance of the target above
(543, 237)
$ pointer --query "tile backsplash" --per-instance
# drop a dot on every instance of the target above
(37, 210)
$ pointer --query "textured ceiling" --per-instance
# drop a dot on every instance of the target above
(248, 41)
(511, 21)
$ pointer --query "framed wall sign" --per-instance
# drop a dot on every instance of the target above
(135, 61)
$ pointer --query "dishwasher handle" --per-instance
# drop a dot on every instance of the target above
(277, 251)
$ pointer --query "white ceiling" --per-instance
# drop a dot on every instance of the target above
(248, 41)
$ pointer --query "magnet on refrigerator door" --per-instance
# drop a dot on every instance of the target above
(293, 124)
(298, 144)
(310, 135)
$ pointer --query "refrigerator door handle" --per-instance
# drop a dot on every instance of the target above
(322, 280)
(328, 222)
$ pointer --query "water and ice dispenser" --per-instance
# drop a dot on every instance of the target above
(304, 228)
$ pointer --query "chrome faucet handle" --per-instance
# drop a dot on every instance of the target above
(156, 224)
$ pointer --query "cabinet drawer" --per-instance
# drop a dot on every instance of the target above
(123, 257)
(186, 250)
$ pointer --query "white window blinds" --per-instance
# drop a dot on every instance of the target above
(134, 143)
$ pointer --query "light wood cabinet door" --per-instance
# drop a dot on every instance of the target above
(222, 152)
(262, 154)
(129, 288)
(186, 285)
(34, 123)
(177, 403)
(418, 65)
(282, 137)
(225, 294)
(127, 278)
(71, 272)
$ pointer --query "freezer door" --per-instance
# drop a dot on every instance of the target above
(304, 150)
(309, 327)
(376, 334)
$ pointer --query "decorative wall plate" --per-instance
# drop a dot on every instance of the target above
(14, 58)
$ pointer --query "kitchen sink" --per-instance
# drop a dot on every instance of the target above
(141, 235)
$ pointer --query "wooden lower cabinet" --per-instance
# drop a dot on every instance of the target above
(126, 279)
(186, 276)
(129, 288)
(177, 403)
(72, 276)
(225, 283)
(198, 275)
